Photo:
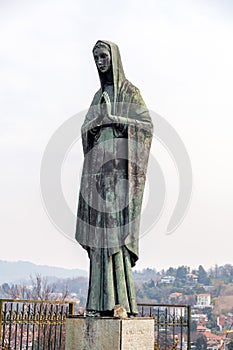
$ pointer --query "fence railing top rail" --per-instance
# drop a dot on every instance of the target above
(36, 301)
(164, 305)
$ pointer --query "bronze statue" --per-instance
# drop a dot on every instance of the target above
(116, 137)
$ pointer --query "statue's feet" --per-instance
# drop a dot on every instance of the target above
(106, 313)
(132, 315)
(92, 313)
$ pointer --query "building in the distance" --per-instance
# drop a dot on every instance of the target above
(203, 301)
(175, 297)
(200, 318)
(191, 278)
(168, 279)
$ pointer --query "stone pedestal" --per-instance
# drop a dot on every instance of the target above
(106, 333)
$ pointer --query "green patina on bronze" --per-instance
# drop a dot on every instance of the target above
(116, 147)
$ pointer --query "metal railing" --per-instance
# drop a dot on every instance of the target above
(172, 325)
(40, 325)
(33, 324)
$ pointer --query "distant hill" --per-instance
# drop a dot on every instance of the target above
(22, 270)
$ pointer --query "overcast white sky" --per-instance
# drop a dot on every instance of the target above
(179, 53)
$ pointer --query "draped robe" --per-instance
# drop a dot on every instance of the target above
(115, 161)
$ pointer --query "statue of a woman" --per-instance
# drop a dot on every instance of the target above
(116, 136)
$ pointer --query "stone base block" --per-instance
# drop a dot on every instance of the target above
(106, 333)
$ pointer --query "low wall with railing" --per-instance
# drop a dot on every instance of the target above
(33, 324)
(172, 325)
(40, 325)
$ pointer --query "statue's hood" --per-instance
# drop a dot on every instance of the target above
(117, 68)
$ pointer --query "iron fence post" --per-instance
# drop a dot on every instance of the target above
(0, 321)
(189, 328)
(71, 308)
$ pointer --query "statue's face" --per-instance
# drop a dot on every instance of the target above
(102, 59)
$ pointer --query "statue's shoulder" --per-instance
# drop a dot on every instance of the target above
(129, 88)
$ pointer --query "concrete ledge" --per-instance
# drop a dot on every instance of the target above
(107, 333)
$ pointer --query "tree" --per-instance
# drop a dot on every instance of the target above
(27, 313)
(5, 289)
(150, 284)
(201, 343)
(40, 289)
(227, 273)
(202, 276)
(193, 326)
(181, 272)
(212, 320)
(171, 271)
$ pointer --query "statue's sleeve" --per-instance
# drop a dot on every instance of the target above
(90, 127)
(137, 113)
(140, 130)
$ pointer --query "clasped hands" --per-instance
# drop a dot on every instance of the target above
(103, 109)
